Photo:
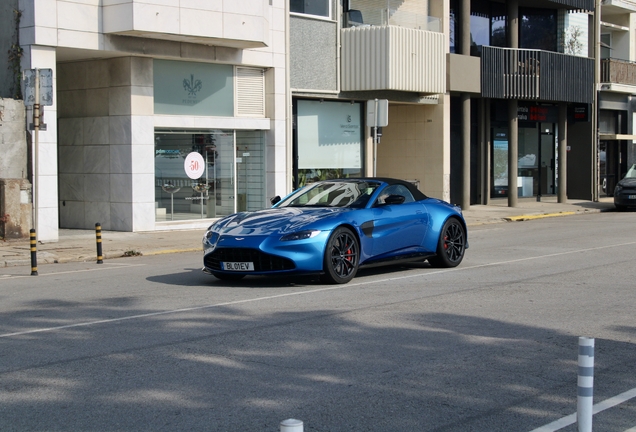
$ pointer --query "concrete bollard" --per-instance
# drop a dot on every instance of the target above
(291, 425)
(585, 385)
(98, 235)
(34, 252)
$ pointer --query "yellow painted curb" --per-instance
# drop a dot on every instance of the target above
(537, 216)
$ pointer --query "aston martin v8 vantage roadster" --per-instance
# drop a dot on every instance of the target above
(333, 228)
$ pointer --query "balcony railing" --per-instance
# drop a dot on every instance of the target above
(614, 71)
(509, 73)
(401, 13)
(587, 5)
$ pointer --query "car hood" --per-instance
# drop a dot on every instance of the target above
(628, 182)
(273, 221)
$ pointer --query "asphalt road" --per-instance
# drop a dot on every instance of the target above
(151, 343)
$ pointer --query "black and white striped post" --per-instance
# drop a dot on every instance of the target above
(585, 385)
(34, 252)
(98, 238)
(291, 425)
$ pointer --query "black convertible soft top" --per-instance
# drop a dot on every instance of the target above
(417, 194)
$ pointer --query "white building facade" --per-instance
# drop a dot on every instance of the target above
(166, 113)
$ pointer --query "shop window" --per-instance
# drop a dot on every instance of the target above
(231, 178)
(329, 140)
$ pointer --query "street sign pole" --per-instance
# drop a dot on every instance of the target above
(36, 138)
(375, 140)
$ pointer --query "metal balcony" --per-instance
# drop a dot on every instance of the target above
(393, 58)
(509, 73)
(614, 71)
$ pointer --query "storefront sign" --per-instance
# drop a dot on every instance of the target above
(579, 113)
(189, 88)
(538, 113)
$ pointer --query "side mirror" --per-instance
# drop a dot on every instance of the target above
(394, 199)
(275, 200)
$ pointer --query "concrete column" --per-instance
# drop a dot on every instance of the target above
(513, 152)
(513, 23)
(47, 229)
(465, 102)
(563, 142)
(465, 200)
(513, 123)
(486, 146)
(464, 19)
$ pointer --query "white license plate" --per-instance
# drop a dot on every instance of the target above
(237, 266)
(631, 196)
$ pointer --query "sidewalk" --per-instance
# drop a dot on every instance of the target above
(81, 245)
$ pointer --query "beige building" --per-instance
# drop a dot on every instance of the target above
(166, 113)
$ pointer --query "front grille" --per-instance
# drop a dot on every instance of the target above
(262, 261)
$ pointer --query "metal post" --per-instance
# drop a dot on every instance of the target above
(291, 425)
(375, 140)
(34, 253)
(98, 236)
(585, 385)
(36, 139)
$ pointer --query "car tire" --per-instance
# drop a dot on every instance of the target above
(228, 276)
(450, 246)
(342, 256)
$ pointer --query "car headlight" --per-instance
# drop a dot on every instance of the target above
(618, 189)
(300, 235)
(210, 239)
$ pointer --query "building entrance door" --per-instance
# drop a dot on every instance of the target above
(612, 165)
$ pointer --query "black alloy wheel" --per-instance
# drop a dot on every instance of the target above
(342, 256)
(450, 246)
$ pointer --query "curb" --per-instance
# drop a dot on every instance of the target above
(537, 216)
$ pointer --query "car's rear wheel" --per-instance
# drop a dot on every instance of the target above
(228, 276)
(450, 246)
(342, 256)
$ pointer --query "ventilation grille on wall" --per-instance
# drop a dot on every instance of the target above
(250, 92)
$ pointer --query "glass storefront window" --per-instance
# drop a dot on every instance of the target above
(329, 140)
(232, 180)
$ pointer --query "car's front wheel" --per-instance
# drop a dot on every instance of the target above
(450, 246)
(342, 256)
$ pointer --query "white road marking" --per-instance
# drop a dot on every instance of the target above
(330, 288)
(76, 271)
(601, 406)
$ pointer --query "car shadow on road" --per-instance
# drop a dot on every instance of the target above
(193, 277)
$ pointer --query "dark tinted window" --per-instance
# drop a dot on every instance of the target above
(538, 29)
(310, 7)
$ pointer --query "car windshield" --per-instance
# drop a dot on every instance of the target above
(631, 173)
(354, 194)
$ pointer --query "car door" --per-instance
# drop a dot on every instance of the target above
(398, 228)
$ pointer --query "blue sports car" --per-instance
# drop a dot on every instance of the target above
(333, 228)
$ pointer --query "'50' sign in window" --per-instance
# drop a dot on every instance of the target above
(194, 165)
